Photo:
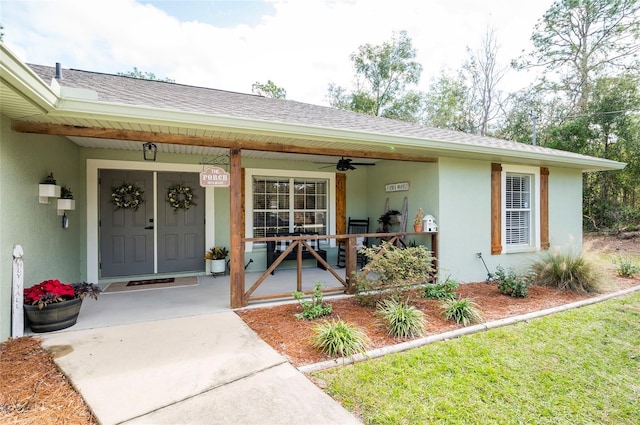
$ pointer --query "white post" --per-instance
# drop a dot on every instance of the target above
(17, 313)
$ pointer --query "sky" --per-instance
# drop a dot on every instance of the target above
(301, 45)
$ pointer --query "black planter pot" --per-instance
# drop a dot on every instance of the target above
(53, 317)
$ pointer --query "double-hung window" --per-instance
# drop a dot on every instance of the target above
(520, 199)
(518, 225)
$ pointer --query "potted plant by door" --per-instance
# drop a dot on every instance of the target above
(52, 305)
(218, 257)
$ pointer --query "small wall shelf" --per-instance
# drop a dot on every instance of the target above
(66, 205)
(46, 191)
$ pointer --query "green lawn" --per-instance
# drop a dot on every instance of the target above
(577, 367)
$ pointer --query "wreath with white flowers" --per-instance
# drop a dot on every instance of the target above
(180, 197)
(127, 196)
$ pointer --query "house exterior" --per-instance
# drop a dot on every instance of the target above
(507, 201)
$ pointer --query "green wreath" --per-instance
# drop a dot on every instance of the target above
(127, 196)
(180, 197)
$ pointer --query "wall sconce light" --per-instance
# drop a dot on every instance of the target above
(149, 151)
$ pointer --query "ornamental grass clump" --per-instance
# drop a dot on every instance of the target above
(338, 338)
(567, 270)
(401, 319)
(462, 311)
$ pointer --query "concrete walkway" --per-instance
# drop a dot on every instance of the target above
(208, 369)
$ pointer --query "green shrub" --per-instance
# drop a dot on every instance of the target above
(462, 311)
(395, 269)
(568, 271)
(401, 319)
(626, 266)
(509, 283)
(399, 266)
(441, 291)
(338, 338)
(314, 308)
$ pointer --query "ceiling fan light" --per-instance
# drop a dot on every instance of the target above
(344, 165)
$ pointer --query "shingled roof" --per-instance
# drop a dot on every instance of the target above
(123, 90)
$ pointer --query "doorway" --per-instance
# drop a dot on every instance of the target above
(154, 237)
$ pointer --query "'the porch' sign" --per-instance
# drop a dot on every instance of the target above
(214, 177)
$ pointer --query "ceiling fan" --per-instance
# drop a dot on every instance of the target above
(346, 164)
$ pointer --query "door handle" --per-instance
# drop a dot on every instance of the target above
(148, 228)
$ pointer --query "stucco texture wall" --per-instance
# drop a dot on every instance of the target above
(49, 250)
(465, 219)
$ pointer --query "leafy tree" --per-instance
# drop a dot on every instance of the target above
(581, 39)
(268, 89)
(447, 104)
(1, 32)
(136, 73)
(384, 74)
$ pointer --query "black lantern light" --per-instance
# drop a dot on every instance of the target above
(149, 150)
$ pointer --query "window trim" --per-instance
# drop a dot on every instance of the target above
(267, 172)
(534, 225)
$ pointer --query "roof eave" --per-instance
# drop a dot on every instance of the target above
(81, 108)
(23, 80)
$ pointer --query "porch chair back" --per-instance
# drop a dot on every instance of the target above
(354, 226)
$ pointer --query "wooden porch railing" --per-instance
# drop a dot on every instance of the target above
(397, 238)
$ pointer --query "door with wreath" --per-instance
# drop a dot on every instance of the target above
(138, 239)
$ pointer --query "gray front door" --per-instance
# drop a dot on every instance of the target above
(126, 235)
(180, 232)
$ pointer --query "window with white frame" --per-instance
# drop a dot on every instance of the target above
(521, 216)
(518, 209)
(289, 204)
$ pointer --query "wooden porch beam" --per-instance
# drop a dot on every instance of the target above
(236, 278)
(176, 139)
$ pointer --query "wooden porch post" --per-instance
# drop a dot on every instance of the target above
(236, 278)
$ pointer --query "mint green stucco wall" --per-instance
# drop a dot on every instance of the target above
(423, 190)
(49, 250)
(465, 219)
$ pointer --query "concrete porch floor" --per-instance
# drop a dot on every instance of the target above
(211, 295)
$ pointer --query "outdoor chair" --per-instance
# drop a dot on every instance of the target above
(354, 226)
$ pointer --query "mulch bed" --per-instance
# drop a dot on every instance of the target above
(290, 336)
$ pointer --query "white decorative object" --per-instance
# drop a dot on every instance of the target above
(46, 191)
(17, 312)
(66, 205)
(429, 224)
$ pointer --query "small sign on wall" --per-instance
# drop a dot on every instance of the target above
(214, 177)
(396, 187)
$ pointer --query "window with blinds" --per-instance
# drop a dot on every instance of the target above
(282, 205)
(518, 209)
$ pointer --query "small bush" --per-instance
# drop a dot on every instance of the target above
(401, 320)
(338, 338)
(314, 308)
(441, 291)
(396, 265)
(395, 270)
(568, 271)
(509, 283)
(463, 311)
(626, 266)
